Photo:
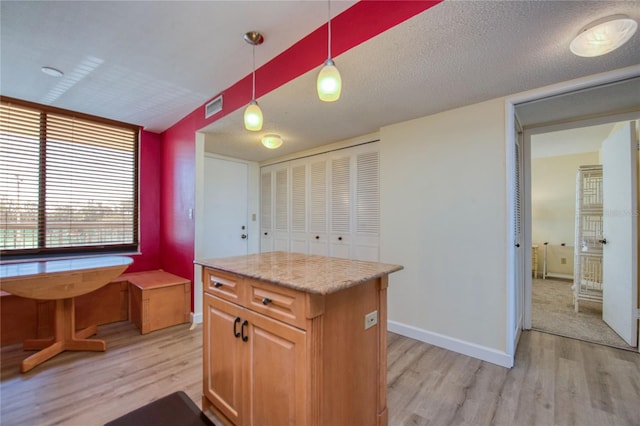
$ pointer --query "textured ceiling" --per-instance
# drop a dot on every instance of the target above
(142, 62)
(454, 54)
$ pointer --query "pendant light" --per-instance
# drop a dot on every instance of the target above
(329, 82)
(603, 36)
(253, 113)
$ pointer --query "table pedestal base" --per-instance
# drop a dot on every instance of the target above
(65, 338)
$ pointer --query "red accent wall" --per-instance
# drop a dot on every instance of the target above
(149, 189)
(178, 197)
(354, 26)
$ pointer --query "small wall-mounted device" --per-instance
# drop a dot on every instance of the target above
(370, 320)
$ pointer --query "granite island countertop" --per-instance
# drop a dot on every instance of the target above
(304, 272)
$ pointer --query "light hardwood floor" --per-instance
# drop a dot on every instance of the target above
(556, 381)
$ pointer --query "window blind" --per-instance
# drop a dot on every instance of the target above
(68, 182)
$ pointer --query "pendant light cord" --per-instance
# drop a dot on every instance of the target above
(253, 90)
(329, 29)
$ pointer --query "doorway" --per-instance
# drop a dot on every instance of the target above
(568, 231)
(606, 98)
(227, 199)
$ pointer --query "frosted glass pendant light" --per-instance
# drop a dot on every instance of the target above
(603, 36)
(329, 81)
(253, 117)
(253, 114)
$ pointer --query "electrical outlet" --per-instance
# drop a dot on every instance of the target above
(370, 320)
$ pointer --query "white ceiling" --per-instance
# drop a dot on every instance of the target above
(570, 142)
(151, 63)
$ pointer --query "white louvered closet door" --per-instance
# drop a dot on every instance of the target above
(328, 204)
(340, 201)
(367, 207)
(281, 217)
(266, 217)
(318, 236)
(299, 209)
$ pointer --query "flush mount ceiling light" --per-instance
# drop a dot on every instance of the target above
(603, 36)
(253, 113)
(53, 72)
(329, 81)
(272, 141)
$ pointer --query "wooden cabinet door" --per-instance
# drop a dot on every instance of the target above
(222, 356)
(276, 373)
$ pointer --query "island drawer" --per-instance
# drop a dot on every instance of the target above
(224, 285)
(281, 303)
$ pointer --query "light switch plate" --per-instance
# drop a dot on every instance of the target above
(370, 320)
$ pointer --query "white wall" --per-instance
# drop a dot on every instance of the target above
(553, 196)
(553, 206)
(443, 216)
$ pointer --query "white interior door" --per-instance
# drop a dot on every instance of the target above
(225, 208)
(620, 267)
(522, 250)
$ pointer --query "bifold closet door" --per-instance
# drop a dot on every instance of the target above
(266, 217)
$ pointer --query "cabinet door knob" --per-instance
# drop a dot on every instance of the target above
(317, 237)
(243, 236)
(217, 284)
(339, 238)
(236, 333)
(266, 301)
(603, 241)
(266, 233)
(244, 336)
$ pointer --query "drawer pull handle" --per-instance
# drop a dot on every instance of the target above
(244, 336)
(235, 324)
(217, 284)
(266, 301)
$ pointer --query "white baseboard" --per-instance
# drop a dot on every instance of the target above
(450, 343)
(196, 318)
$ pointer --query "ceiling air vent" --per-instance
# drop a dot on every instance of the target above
(213, 107)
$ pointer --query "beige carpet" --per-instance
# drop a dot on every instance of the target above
(553, 313)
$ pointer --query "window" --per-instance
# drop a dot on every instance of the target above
(68, 182)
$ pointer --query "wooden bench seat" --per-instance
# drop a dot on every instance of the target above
(158, 299)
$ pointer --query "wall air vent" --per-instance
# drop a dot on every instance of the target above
(213, 107)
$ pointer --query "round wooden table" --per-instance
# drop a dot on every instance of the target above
(61, 280)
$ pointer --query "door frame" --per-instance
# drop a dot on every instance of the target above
(517, 320)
